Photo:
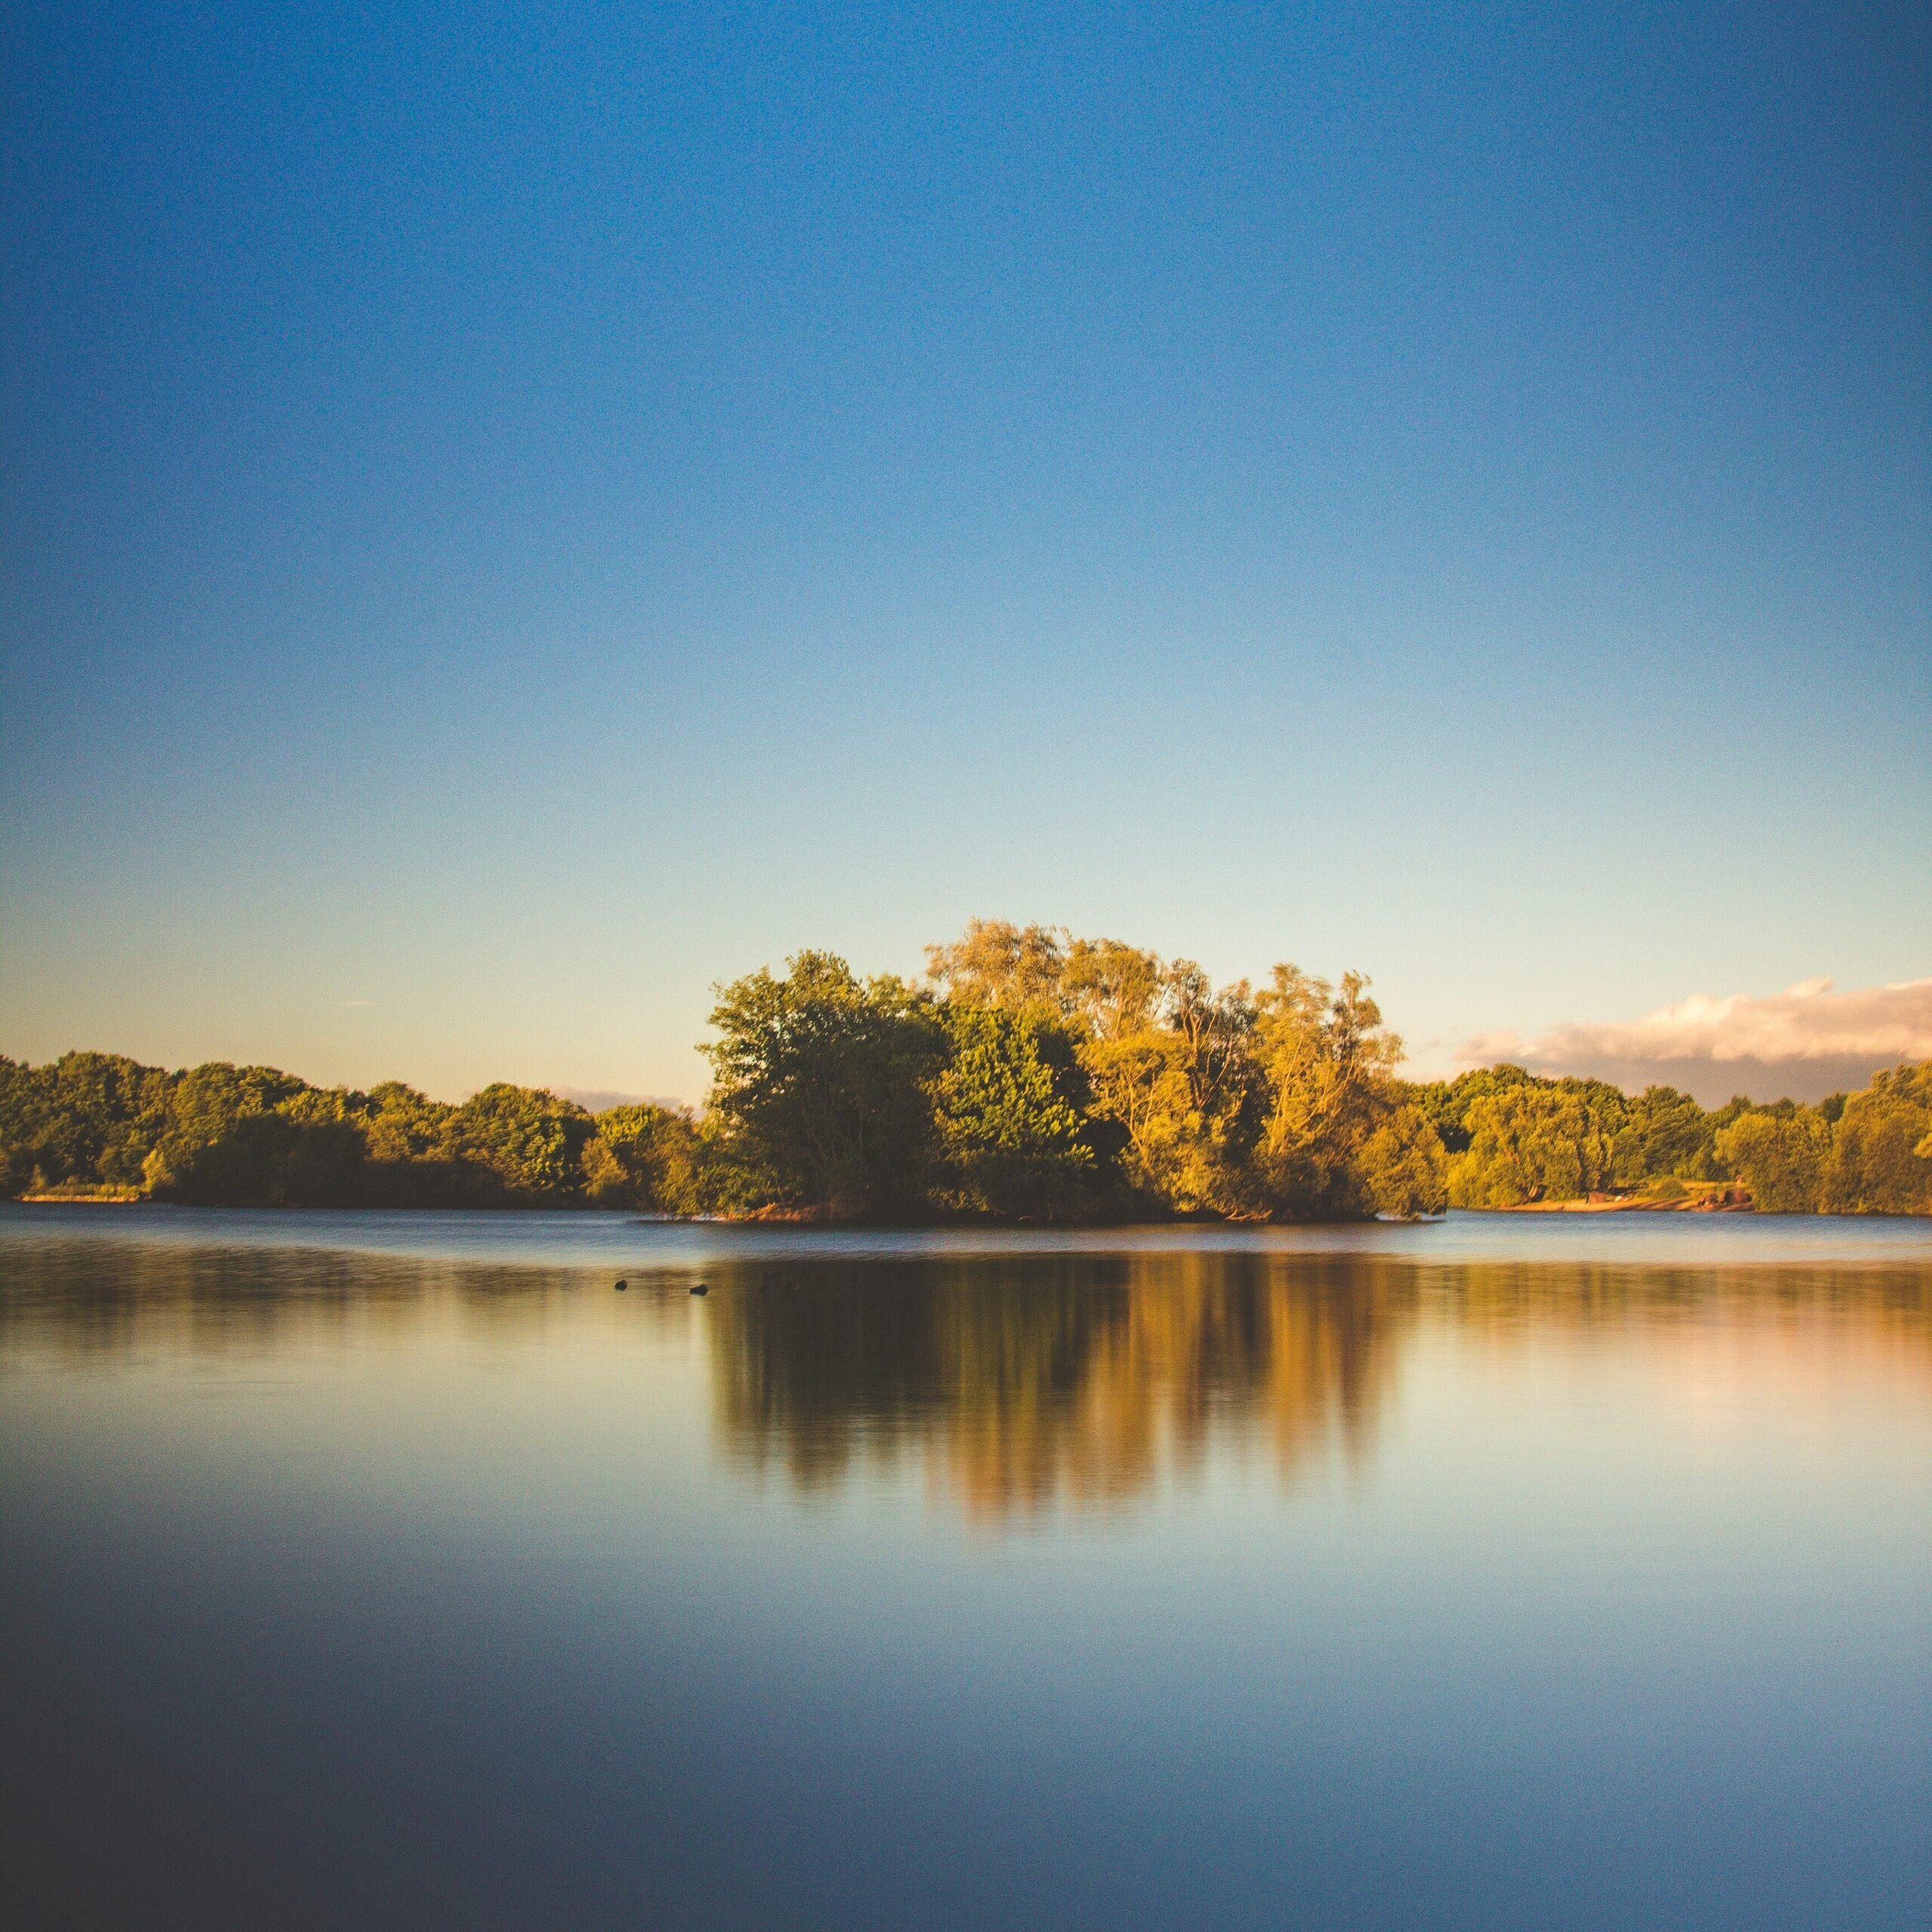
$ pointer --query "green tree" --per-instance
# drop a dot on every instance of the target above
(224, 1143)
(1664, 1133)
(1447, 1102)
(1780, 1155)
(1401, 1169)
(1531, 1143)
(256, 1136)
(523, 1139)
(644, 1157)
(1113, 989)
(85, 1120)
(1734, 1109)
(1170, 1064)
(414, 1158)
(1009, 1136)
(403, 1126)
(1875, 1166)
(819, 1086)
(1328, 1065)
(995, 963)
(1215, 1030)
(1111, 993)
(20, 1118)
(109, 1111)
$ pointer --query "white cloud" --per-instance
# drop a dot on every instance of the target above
(1806, 1042)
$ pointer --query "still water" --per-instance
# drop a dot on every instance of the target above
(368, 1570)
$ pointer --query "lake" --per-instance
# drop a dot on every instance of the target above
(393, 1570)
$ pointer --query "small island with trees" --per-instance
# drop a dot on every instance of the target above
(1030, 1077)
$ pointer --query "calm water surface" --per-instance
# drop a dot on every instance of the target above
(366, 1570)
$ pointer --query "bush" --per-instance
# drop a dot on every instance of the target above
(1779, 1156)
(1402, 1169)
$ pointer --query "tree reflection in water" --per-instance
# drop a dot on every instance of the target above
(1082, 1382)
(1020, 1384)
(1029, 1384)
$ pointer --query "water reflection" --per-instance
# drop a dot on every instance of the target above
(1058, 1381)
(105, 1300)
(1023, 1388)
(1017, 1386)
(1413, 1590)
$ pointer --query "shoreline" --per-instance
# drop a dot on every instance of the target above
(86, 1200)
(1737, 1203)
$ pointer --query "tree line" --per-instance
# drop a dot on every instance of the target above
(1029, 1076)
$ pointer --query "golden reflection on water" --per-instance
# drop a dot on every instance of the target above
(1021, 1385)
(1025, 1388)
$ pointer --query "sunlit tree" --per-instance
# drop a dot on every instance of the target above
(819, 1085)
(1780, 1155)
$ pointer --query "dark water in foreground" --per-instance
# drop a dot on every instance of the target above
(367, 1571)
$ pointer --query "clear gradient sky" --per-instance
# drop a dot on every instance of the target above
(513, 513)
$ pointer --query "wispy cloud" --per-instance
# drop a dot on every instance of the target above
(1806, 1042)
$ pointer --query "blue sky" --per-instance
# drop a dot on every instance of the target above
(511, 514)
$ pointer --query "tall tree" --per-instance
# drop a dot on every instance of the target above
(1875, 1166)
(1529, 1143)
(995, 963)
(821, 1083)
(1010, 1140)
(256, 1136)
(1329, 1066)
(1169, 1061)
(1401, 1169)
(1780, 1155)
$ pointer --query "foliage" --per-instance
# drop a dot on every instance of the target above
(1034, 1075)
(1663, 1132)
(1328, 1065)
(1879, 1163)
(238, 1136)
(1780, 1155)
(1169, 1061)
(87, 1119)
(1005, 1105)
(995, 964)
(1402, 1169)
(529, 1141)
(405, 1125)
(1532, 1142)
(1447, 1102)
(644, 1157)
(820, 1084)
(222, 1135)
